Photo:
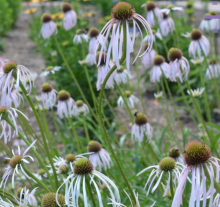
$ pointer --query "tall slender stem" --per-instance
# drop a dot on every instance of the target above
(106, 136)
(90, 191)
(171, 185)
(86, 129)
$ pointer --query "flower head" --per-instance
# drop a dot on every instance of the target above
(148, 58)
(166, 166)
(11, 73)
(80, 36)
(208, 25)
(49, 27)
(167, 25)
(6, 130)
(66, 105)
(141, 128)
(179, 65)
(100, 157)
(52, 200)
(158, 95)
(81, 108)
(160, 67)
(213, 70)
(171, 7)
(49, 70)
(198, 44)
(83, 175)
(199, 163)
(156, 34)
(196, 92)
(15, 164)
(70, 17)
(131, 100)
(122, 75)
(48, 96)
(197, 61)
(122, 14)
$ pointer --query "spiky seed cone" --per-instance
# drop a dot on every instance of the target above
(150, 6)
(140, 118)
(83, 166)
(196, 34)
(66, 7)
(63, 168)
(170, 6)
(49, 68)
(79, 103)
(63, 95)
(80, 31)
(196, 153)
(212, 12)
(165, 16)
(46, 87)
(103, 58)
(127, 94)
(49, 200)
(41, 172)
(46, 18)
(19, 192)
(121, 69)
(16, 160)
(174, 152)
(167, 164)
(158, 60)
(93, 32)
(94, 146)
(70, 158)
(9, 66)
(122, 11)
(174, 53)
(3, 109)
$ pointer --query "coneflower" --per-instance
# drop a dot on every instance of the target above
(49, 27)
(70, 17)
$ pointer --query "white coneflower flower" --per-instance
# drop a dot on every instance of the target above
(49, 70)
(52, 200)
(131, 100)
(82, 108)
(186, 35)
(122, 75)
(100, 158)
(80, 36)
(167, 25)
(196, 92)
(48, 96)
(213, 70)
(200, 164)
(26, 197)
(136, 204)
(15, 164)
(154, 15)
(156, 34)
(141, 128)
(49, 27)
(83, 175)
(197, 61)
(15, 99)
(179, 65)
(93, 34)
(148, 58)
(66, 105)
(160, 67)
(122, 13)
(158, 95)
(198, 44)
(70, 17)
(102, 73)
(6, 130)
(7, 78)
(208, 25)
(83, 62)
(171, 7)
(166, 166)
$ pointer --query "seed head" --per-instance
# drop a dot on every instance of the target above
(167, 164)
(121, 69)
(212, 61)
(174, 53)
(93, 32)
(41, 172)
(66, 7)
(46, 87)
(174, 152)
(63, 95)
(16, 160)
(83, 166)
(79, 103)
(122, 11)
(19, 192)
(140, 119)
(146, 46)
(9, 66)
(49, 200)
(63, 168)
(94, 146)
(212, 13)
(127, 94)
(3, 110)
(80, 31)
(196, 34)
(170, 6)
(103, 58)
(158, 60)
(46, 18)
(165, 16)
(70, 158)
(150, 6)
(196, 152)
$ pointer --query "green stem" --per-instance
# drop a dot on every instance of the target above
(86, 129)
(33, 149)
(74, 78)
(171, 185)
(90, 191)
(41, 129)
(109, 105)
(106, 136)
(34, 178)
(8, 196)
